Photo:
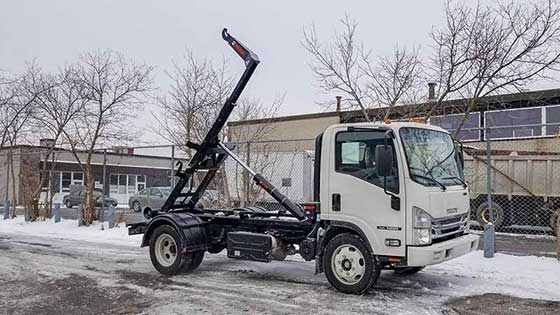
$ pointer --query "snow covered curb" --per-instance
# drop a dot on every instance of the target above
(68, 229)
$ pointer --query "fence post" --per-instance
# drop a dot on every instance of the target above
(111, 217)
(81, 214)
(247, 176)
(489, 230)
(6, 210)
(56, 213)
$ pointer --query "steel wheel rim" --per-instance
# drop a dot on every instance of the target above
(165, 250)
(348, 264)
(486, 215)
(136, 206)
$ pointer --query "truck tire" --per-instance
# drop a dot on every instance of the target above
(195, 262)
(482, 214)
(405, 271)
(68, 204)
(349, 265)
(166, 248)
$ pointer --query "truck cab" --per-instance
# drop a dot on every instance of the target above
(416, 215)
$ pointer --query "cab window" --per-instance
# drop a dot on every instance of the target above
(355, 156)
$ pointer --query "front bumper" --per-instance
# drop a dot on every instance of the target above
(419, 256)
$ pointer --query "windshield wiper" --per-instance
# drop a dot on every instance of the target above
(433, 180)
(441, 162)
(458, 179)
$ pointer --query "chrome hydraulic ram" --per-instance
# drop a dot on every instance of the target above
(293, 208)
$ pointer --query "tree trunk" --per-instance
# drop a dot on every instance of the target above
(14, 196)
(89, 205)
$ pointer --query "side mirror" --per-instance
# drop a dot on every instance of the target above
(383, 160)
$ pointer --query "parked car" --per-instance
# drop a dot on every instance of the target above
(155, 197)
(152, 197)
(77, 197)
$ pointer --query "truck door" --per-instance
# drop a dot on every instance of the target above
(357, 194)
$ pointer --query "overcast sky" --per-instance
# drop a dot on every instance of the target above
(55, 32)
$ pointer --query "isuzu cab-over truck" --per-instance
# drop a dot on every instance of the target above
(386, 196)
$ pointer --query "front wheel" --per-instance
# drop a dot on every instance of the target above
(349, 266)
(68, 204)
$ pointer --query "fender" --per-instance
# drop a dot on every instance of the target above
(191, 228)
(331, 229)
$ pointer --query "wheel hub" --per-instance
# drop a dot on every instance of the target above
(166, 250)
(348, 264)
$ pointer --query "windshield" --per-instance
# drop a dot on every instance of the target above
(165, 191)
(431, 157)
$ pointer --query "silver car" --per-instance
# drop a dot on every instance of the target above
(152, 197)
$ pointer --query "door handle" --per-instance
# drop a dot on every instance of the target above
(335, 202)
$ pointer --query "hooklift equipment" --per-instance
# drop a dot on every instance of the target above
(379, 203)
(247, 233)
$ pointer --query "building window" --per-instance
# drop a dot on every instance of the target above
(469, 130)
(552, 120)
(126, 184)
(66, 180)
(114, 184)
(512, 123)
(77, 178)
(141, 182)
(122, 184)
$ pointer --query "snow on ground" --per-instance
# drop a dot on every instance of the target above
(69, 229)
(472, 274)
(522, 276)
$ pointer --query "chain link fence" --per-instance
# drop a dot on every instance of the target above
(525, 180)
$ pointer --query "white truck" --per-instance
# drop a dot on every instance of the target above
(386, 196)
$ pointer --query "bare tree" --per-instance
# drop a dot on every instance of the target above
(198, 90)
(345, 66)
(55, 109)
(485, 50)
(395, 79)
(113, 91)
(18, 97)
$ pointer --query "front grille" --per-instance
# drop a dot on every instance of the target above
(448, 227)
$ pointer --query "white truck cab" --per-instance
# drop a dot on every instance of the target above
(415, 216)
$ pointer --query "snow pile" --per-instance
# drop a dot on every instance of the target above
(68, 229)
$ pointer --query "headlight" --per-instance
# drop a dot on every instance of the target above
(422, 227)
(422, 220)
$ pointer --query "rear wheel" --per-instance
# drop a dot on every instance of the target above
(136, 206)
(195, 262)
(483, 214)
(349, 266)
(166, 247)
